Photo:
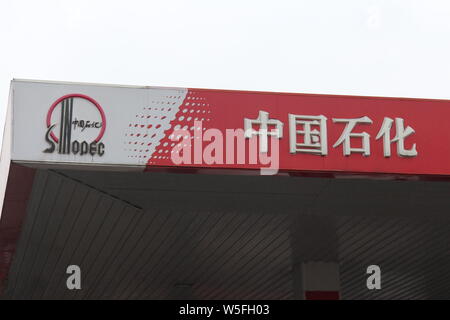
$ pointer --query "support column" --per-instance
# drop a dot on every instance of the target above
(317, 281)
(315, 260)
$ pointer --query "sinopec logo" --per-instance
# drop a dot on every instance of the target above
(76, 124)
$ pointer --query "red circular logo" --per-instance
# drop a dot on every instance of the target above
(81, 96)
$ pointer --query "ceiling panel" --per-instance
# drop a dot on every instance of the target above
(158, 236)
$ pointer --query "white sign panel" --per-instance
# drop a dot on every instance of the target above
(88, 124)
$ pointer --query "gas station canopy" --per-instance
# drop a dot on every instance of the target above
(176, 193)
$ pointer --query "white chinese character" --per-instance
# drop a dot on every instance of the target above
(401, 135)
(347, 135)
(314, 140)
(263, 121)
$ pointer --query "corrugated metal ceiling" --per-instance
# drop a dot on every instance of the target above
(159, 235)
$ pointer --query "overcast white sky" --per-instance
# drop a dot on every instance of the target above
(359, 47)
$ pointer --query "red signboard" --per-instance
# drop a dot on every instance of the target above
(317, 133)
(153, 128)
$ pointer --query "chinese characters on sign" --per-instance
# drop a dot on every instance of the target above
(308, 134)
(314, 140)
(263, 121)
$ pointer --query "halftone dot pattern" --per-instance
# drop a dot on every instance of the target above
(146, 129)
(194, 108)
